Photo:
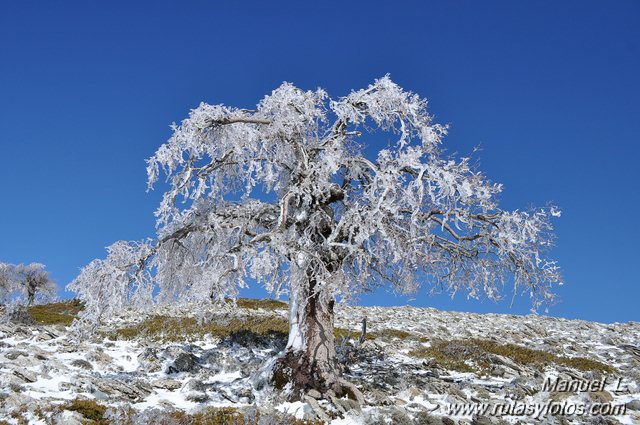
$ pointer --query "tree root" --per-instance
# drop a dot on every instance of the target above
(296, 370)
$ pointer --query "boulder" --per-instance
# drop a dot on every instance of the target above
(184, 362)
(167, 384)
(82, 364)
(14, 354)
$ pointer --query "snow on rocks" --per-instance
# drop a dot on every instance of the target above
(41, 374)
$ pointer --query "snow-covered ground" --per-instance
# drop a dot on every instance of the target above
(42, 369)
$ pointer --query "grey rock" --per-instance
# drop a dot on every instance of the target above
(378, 397)
(64, 386)
(314, 394)
(197, 397)
(184, 362)
(194, 385)
(14, 354)
(167, 384)
(134, 391)
(148, 360)
(633, 405)
(83, 364)
(423, 418)
(344, 405)
(245, 395)
(25, 375)
(497, 371)
(485, 420)
(22, 317)
(317, 410)
(67, 417)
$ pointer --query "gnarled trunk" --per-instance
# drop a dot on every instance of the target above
(309, 361)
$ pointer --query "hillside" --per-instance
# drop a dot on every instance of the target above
(415, 366)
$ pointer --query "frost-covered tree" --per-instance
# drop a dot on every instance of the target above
(6, 282)
(33, 280)
(284, 194)
(26, 280)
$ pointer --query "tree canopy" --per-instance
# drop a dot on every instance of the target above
(284, 192)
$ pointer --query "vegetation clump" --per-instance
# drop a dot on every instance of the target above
(89, 409)
(56, 313)
(457, 355)
(265, 304)
(174, 329)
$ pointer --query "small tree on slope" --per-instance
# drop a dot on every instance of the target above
(29, 280)
(285, 195)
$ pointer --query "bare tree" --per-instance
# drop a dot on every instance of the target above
(284, 194)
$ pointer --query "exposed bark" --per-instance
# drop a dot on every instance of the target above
(309, 361)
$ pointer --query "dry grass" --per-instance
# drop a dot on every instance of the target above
(456, 354)
(446, 356)
(89, 409)
(392, 334)
(65, 311)
(174, 329)
(56, 313)
(226, 416)
(265, 304)
(525, 355)
(384, 334)
(94, 413)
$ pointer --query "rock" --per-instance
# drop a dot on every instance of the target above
(314, 394)
(22, 317)
(14, 354)
(148, 361)
(497, 371)
(245, 395)
(135, 391)
(601, 396)
(167, 384)
(174, 351)
(25, 375)
(213, 359)
(64, 386)
(83, 364)
(197, 397)
(413, 393)
(482, 393)
(633, 405)
(423, 418)
(486, 420)
(397, 417)
(99, 356)
(344, 404)
(67, 417)
(46, 336)
(194, 385)
(185, 362)
(378, 397)
(454, 390)
(317, 410)
(481, 420)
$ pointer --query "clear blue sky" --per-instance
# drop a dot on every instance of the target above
(549, 89)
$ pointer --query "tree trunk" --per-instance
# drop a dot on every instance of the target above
(309, 361)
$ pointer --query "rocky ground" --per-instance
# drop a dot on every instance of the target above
(415, 366)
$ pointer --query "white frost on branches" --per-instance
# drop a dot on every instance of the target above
(285, 195)
(30, 282)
